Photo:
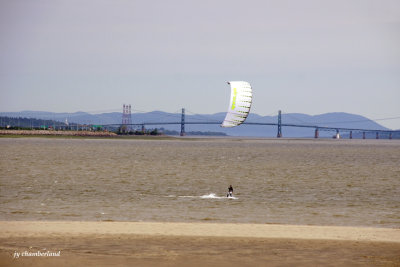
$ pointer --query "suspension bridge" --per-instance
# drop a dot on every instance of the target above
(279, 124)
(179, 118)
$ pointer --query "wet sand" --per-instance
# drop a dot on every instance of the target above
(195, 244)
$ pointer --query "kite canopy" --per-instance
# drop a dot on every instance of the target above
(239, 107)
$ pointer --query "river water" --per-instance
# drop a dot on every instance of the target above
(314, 182)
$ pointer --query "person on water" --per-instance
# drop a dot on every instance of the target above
(230, 191)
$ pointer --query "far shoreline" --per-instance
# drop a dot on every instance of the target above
(51, 134)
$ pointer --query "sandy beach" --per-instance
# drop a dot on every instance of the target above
(193, 244)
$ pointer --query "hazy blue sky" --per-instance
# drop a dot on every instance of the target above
(300, 56)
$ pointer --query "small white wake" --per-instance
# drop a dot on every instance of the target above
(209, 196)
(212, 195)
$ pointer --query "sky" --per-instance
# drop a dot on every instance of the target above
(305, 56)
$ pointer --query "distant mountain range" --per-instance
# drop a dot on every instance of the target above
(337, 119)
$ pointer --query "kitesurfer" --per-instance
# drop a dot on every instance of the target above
(230, 191)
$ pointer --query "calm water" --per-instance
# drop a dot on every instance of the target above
(317, 182)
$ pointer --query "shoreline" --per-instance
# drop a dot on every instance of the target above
(10, 229)
(112, 136)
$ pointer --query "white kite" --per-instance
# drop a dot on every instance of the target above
(239, 107)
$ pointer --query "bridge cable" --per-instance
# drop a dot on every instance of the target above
(201, 116)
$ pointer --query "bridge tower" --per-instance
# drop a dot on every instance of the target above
(279, 135)
(126, 118)
(183, 123)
